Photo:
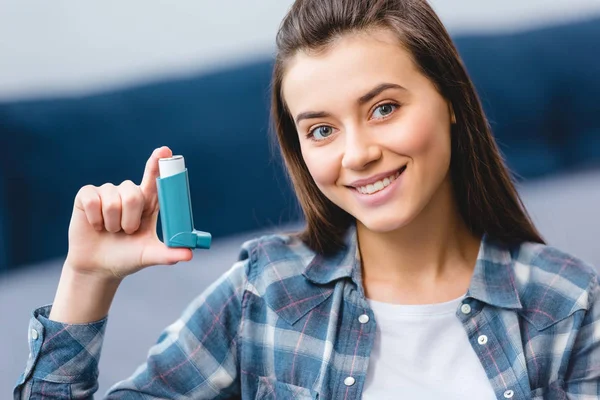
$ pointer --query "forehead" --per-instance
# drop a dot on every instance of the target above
(352, 65)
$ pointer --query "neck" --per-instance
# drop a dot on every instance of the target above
(431, 259)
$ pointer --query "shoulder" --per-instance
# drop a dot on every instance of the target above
(549, 266)
(275, 267)
(552, 280)
(275, 257)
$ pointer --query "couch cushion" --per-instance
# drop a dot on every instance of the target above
(539, 90)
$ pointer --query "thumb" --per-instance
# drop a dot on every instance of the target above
(151, 172)
(158, 253)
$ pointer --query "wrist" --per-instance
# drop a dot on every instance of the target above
(84, 276)
(83, 296)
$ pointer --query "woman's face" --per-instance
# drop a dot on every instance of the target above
(374, 132)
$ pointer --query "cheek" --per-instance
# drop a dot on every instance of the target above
(426, 141)
(322, 166)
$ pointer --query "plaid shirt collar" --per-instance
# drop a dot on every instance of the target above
(323, 270)
(493, 280)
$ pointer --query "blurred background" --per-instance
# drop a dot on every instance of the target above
(88, 90)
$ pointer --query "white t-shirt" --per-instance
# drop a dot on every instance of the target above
(422, 352)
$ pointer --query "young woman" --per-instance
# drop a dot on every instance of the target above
(419, 274)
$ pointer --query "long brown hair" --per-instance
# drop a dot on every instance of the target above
(486, 197)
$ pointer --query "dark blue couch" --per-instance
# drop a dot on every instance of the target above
(540, 92)
(218, 122)
(539, 89)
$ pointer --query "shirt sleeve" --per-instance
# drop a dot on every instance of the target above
(583, 375)
(196, 356)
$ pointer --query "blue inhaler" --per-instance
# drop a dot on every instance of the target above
(176, 206)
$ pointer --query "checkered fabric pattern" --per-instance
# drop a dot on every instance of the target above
(284, 323)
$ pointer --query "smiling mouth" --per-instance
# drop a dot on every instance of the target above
(380, 184)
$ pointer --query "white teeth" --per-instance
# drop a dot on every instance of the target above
(379, 185)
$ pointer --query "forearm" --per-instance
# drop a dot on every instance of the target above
(82, 298)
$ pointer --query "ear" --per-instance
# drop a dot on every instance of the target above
(452, 115)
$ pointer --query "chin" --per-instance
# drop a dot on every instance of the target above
(384, 223)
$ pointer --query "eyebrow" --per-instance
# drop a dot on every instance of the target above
(361, 101)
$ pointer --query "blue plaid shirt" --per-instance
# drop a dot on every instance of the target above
(284, 323)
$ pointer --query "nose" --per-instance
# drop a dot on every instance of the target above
(360, 151)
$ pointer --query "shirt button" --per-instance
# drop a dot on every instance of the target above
(34, 334)
(509, 394)
(482, 339)
(349, 381)
(465, 308)
(363, 319)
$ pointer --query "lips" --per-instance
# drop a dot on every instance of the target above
(376, 178)
(378, 193)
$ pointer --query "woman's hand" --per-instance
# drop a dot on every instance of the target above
(112, 232)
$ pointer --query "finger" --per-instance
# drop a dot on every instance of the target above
(132, 205)
(158, 253)
(88, 200)
(151, 171)
(111, 207)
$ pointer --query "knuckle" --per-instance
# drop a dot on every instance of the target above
(85, 191)
(87, 188)
(112, 206)
(90, 202)
(127, 183)
(131, 200)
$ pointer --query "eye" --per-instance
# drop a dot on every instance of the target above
(384, 110)
(320, 132)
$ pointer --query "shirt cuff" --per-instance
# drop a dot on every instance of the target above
(63, 353)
